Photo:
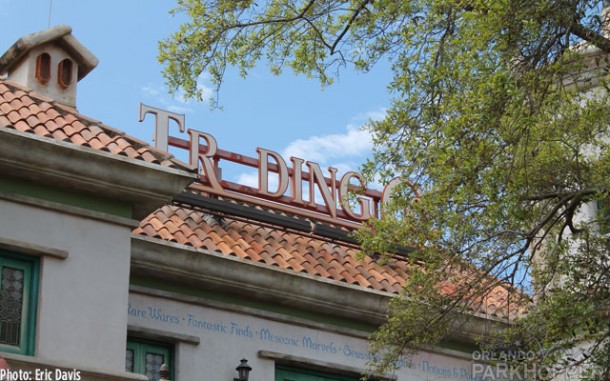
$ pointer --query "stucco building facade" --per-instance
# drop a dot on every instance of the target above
(113, 263)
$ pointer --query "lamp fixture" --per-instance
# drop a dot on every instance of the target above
(243, 371)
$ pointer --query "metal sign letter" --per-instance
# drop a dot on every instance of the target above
(162, 118)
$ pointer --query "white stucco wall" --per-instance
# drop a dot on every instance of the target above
(227, 336)
(82, 298)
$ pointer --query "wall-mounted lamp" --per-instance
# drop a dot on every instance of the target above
(243, 371)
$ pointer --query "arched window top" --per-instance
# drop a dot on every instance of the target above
(64, 73)
(43, 68)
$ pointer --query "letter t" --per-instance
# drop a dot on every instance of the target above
(162, 118)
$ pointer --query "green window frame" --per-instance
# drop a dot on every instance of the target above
(18, 302)
(287, 373)
(146, 357)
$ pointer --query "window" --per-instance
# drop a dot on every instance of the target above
(43, 68)
(284, 373)
(64, 73)
(146, 357)
(18, 300)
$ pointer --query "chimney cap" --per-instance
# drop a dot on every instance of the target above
(60, 34)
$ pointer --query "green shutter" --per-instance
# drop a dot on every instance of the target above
(18, 302)
(146, 357)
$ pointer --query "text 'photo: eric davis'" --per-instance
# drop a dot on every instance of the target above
(40, 375)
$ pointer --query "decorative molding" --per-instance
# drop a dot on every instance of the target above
(157, 335)
(32, 249)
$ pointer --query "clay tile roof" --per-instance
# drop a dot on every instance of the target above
(274, 247)
(293, 251)
(26, 111)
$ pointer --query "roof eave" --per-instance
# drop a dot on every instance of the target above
(174, 262)
(146, 186)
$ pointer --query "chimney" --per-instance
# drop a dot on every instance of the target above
(50, 62)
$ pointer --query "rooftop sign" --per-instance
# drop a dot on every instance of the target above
(347, 201)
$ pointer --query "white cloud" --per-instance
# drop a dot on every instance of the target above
(151, 91)
(179, 109)
(321, 149)
(159, 96)
(355, 142)
(201, 84)
(249, 179)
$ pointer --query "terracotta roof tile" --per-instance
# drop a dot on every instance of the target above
(51, 112)
(336, 275)
(8, 96)
(26, 111)
(222, 245)
(28, 102)
(95, 143)
(86, 133)
(21, 109)
(181, 238)
(385, 284)
(321, 271)
(32, 120)
(59, 135)
(264, 257)
(13, 116)
(279, 260)
(165, 234)
(22, 126)
(36, 110)
(270, 246)
(78, 139)
(130, 152)
(195, 241)
(150, 231)
(68, 129)
(295, 265)
(5, 108)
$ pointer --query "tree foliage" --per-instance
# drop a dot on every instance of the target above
(499, 116)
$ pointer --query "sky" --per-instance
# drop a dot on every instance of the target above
(289, 114)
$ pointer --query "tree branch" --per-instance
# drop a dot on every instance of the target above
(591, 36)
(349, 24)
(275, 21)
